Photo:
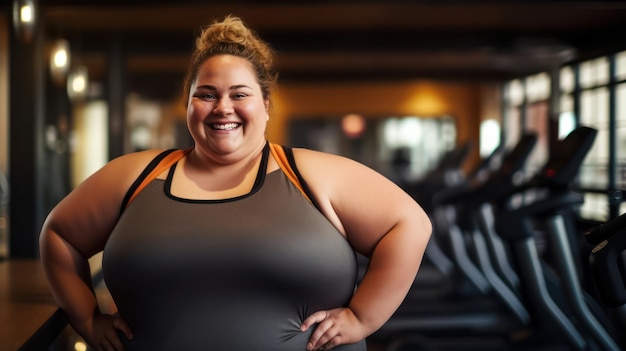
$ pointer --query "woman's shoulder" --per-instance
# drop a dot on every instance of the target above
(324, 171)
(308, 158)
(140, 155)
(310, 155)
(138, 159)
(127, 167)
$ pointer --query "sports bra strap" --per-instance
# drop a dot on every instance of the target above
(158, 165)
(282, 154)
(287, 162)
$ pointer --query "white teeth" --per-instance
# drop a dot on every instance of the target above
(227, 126)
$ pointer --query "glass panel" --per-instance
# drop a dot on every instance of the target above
(594, 108)
(448, 133)
(512, 126)
(594, 113)
(567, 118)
(538, 87)
(402, 148)
(595, 207)
(602, 70)
(620, 171)
(90, 145)
(567, 79)
(537, 121)
(408, 147)
(515, 92)
(586, 76)
(620, 66)
(567, 123)
(489, 136)
(594, 72)
(587, 115)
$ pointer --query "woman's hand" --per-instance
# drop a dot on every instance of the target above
(336, 327)
(104, 333)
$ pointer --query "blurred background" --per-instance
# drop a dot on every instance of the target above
(394, 84)
(386, 82)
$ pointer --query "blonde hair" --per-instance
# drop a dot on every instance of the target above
(232, 37)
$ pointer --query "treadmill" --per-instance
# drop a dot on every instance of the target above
(548, 323)
(607, 261)
(467, 311)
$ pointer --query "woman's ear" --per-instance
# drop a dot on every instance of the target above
(267, 109)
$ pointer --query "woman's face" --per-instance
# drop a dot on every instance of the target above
(226, 112)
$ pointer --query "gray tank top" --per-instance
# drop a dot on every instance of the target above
(232, 274)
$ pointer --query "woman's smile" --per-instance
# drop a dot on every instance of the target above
(224, 126)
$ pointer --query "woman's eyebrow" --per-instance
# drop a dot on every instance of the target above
(206, 87)
(232, 87)
(239, 86)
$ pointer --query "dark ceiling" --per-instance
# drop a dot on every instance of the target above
(355, 40)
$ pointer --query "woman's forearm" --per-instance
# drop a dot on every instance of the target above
(390, 274)
(69, 279)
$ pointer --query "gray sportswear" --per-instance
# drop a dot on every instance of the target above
(232, 274)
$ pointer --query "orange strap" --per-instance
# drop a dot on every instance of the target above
(277, 152)
(281, 158)
(164, 165)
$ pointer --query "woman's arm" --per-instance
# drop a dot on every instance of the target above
(69, 278)
(76, 229)
(380, 221)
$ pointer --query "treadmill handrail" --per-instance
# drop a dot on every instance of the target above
(598, 234)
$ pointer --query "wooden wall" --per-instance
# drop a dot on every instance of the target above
(468, 103)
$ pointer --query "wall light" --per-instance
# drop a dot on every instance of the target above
(24, 18)
(353, 125)
(60, 61)
(78, 83)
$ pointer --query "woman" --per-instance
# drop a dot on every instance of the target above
(222, 251)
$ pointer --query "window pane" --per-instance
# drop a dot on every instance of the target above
(515, 92)
(489, 136)
(567, 118)
(620, 66)
(567, 79)
(567, 103)
(594, 72)
(567, 123)
(594, 114)
(586, 74)
(512, 126)
(537, 121)
(538, 87)
(602, 70)
(402, 148)
(620, 171)
(595, 207)
(594, 110)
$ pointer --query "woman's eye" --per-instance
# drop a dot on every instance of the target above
(205, 96)
(239, 96)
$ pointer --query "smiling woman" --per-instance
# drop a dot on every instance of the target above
(236, 243)
(227, 111)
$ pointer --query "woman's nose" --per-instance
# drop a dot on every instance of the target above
(223, 106)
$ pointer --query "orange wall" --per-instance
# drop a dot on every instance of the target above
(418, 98)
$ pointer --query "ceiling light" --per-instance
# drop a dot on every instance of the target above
(24, 18)
(77, 83)
(60, 61)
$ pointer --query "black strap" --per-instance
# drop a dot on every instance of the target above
(292, 163)
(152, 165)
